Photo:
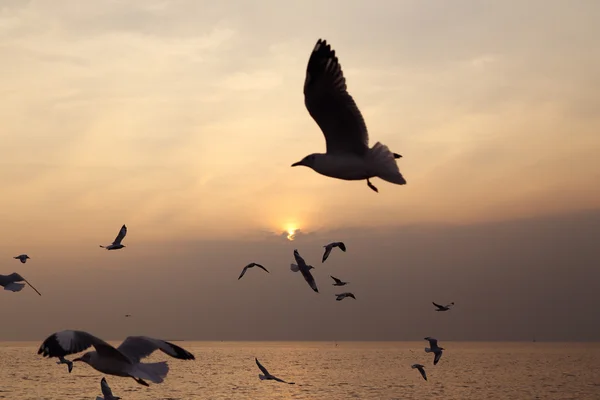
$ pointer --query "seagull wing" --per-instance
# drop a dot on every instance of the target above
(309, 278)
(335, 279)
(243, 272)
(326, 254)
(281, 380)
(121, 235)
(138, 347)
(14, 286)
(432, 342)
(106, 391)
(422, 371)
(330, 105)
(437, 305)
(263, 369)
(68, 342)
(438, 355)
(261, 267)
(299, 258)
(341, 245)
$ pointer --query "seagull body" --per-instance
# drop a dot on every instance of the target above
(123, 361)
(251, 265)
(421, 369)
(437, 351)
(330, 246)
(338, 282)
(305, 270)
(116, 245)
(22, 257)
(267, 375)
(342, 296)
(63, 360)
(348, 155)
(10, 282)
(106, 391)
(442, 308)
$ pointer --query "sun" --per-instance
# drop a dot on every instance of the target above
(291, 232)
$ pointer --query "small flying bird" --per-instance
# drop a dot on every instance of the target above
(127, 315)
(124, 360)
(330, 246)
(342, 296)
(442, 308)
(305, 270)
(267, 375)
(434, 349)
(22, 257)
(328, 102)
(106, 391)
(10, 282)
(251, 265)
(116, 244)
(421, 369)
(65, 361)
(338, 282)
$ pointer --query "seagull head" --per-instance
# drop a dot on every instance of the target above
(308, 161)
(86, 358)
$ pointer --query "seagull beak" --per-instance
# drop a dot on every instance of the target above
(297, 164)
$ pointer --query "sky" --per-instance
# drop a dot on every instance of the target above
(182, 118)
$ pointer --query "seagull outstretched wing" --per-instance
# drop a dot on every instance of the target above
(331, 106)
(121, 235)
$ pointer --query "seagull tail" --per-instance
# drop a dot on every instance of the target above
(384, 164)
(427, 350)
(154, 372)
(261, 377)
(294, 267)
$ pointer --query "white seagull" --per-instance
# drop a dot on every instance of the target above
(442, 308)
(421, 369)
(22, 257)
(305, 270)
(434, 349)
(342, 296)
(338, 282)
(116, 245)
(267, 375)
(348, 155)
(123, 361)
(106, 391)
(10, 282)
(330, 246)
(63, 360)
(251, 265)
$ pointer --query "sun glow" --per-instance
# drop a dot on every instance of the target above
(291, 232)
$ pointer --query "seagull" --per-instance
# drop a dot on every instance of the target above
(267, 375)
(342, 296)
(106, 391)
(122, 361)
(22, 257)
(338, 282)
(348, 155)
(65, 361)
(116, 245)
(421, 369)
(434, 349)
(442, 308)
(127, 315)
(9, 282)
(330, 246)
(250, 266)
(305, 270)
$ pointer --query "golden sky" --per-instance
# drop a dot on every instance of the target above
(182, 118)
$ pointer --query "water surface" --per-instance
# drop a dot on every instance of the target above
(352, 370)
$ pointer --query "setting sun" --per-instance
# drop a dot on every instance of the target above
(291, 230)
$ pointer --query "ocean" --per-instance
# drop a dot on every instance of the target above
(324, 370)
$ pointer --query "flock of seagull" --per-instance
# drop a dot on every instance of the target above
(347, 157)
